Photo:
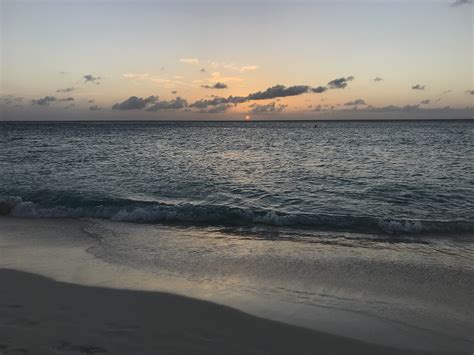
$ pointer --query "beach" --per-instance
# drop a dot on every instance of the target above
(88, 304)
(41, 316)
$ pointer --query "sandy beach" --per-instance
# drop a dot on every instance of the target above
(42, 316)
(60, 295)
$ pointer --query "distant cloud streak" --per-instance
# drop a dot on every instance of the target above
(355, 102)
(340, 83)
(44, 101)
(462, 2)
(175, 104)
(273, 92)
(135, 103)
(89, 78)
(279, 91)
(418, 87)
(216, 109)
(217, 85)
(66, 89)
(189, 60)
(247, 68)
(136, 76)
(269, 108)
(319, 89)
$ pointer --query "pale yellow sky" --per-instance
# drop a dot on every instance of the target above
(170, 49)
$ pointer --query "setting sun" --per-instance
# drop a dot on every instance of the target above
(247, 117)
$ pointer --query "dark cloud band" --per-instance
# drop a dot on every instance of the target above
(135, 103)
(217, 85)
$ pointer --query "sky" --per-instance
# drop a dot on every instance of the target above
(229, 59)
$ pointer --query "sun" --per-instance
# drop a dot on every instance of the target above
(247, 117)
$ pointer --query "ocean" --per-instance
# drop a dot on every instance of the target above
(328, 225)
(391, 178)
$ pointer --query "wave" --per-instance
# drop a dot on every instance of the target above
(150, 212)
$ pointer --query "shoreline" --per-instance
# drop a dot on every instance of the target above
(43, 316)
(93, 257)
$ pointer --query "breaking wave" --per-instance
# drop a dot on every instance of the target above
(153, 212)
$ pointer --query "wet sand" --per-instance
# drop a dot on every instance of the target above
(42, 316)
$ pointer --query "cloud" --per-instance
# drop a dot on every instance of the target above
(69, 106)
(167, 83)
(136, 76)
(174, 92)
(392, 108)
(279, 91)
(202, 70)
(66, 99)
(462, 2)
(94, 108)
(150, 104)
(340, 83)
(66, 89)
(410, 107)
(247, 68)
(355, 102)
(89, 78)
(216, 76)
(235, 67)
(189, 60)
(318, 108)
(175, 104)
(319, 89)
(425, 102)
(418, 87)
(378, 79)
(10, 99)
(135, 103)
(44, 101)
(218, 101)
(269, 108)
(469, 92)
(216, 109)
(398, 112)
(217, 85)
(270, 93)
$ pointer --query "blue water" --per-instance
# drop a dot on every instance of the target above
(384, 177)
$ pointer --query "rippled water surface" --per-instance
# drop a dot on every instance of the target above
(396, 177)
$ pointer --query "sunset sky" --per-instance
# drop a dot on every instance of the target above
(183, 59)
